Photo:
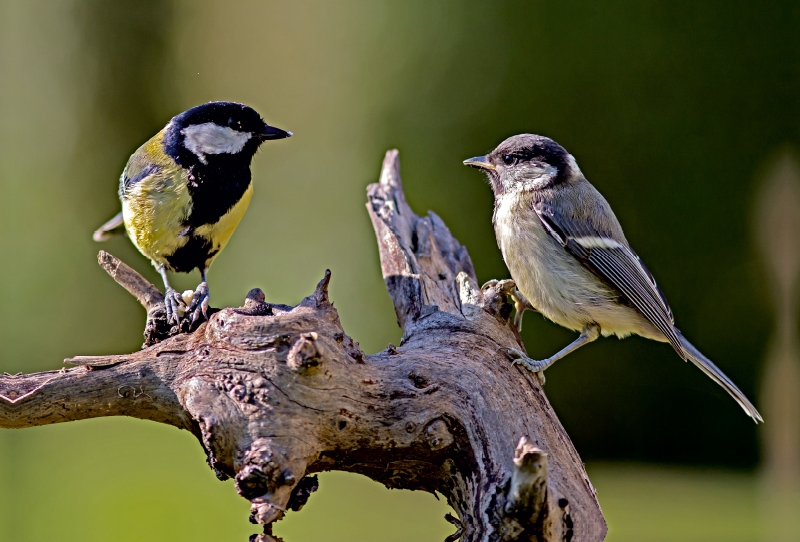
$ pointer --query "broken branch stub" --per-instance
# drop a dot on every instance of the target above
(276, 394)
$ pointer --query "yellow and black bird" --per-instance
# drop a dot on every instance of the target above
(185, 190)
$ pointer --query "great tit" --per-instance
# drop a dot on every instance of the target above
(185, 190)
(567, 254)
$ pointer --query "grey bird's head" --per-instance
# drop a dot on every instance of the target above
(526, 162)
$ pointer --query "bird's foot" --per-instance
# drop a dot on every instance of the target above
(199, 304)
(537, 367)
(521, 304)
(174, 306)
(505, 286)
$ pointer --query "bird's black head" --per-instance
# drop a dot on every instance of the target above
(215, 131)
(526, 162)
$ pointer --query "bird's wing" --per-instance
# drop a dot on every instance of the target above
(112, 228)
(615, 263)
(136, 171)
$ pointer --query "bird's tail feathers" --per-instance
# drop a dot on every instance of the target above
(705, 365)
(112, 228)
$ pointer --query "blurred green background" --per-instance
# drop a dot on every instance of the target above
(671, 108)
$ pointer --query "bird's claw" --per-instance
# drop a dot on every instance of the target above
(173, 302)
(199, 303)
(505, 286)
(517, 357)
(509, 288)
(489, 284)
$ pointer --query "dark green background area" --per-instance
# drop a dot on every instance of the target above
(672, 110)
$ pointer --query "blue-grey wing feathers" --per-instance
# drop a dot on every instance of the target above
(613, 261)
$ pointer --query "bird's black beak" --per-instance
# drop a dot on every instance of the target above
(270, 132)
(480, 162)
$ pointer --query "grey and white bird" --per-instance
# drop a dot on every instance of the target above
(569, 258)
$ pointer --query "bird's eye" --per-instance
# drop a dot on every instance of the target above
(230, 122)
(508, 159)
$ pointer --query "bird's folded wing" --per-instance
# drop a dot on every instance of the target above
(115, 226)
(614, 263)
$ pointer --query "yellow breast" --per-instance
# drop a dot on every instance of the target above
(220, 232)
(156, 206)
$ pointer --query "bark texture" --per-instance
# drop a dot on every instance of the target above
(277, 393)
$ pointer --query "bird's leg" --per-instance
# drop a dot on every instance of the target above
(172, 299)
(199, 304)
(589, 333)
(521, 304)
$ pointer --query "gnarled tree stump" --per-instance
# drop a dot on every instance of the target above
(276, 393)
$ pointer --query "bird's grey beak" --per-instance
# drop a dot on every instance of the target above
(480, 162)
(270, 132)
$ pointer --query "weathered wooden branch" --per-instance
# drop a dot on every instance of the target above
(276, 393)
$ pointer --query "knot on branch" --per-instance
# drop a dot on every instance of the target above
(527, 494)
(521, 513)
(438, 435)
(266, 481)
(255, 304)
(257, 471)
(304, 354)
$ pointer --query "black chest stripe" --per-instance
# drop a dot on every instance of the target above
(215, 188)
(216, 183)
(193, 255)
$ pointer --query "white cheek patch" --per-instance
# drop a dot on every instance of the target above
(529, 179)
(211, 138)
